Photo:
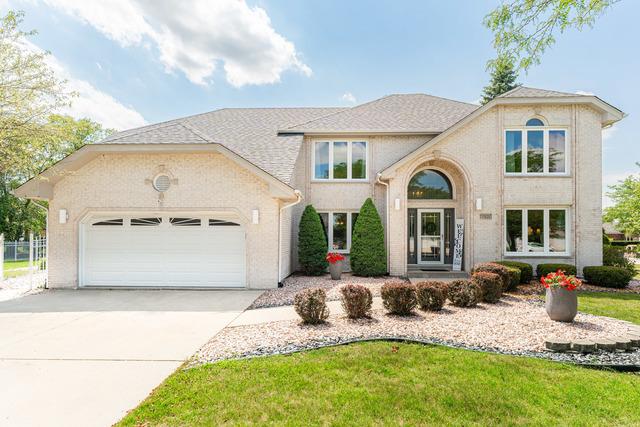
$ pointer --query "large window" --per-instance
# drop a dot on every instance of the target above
(340, 160)
(338, 228)
(536, 231)
(429, 184)
(535, 150)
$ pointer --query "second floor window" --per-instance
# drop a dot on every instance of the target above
(535, 150)
(340, 160)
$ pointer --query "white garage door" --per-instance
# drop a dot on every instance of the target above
(162, 251)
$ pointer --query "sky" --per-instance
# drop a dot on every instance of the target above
(135, 62)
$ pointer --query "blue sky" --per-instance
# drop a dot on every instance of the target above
(142, 63)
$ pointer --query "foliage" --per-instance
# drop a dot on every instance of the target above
(431, 295)
(544, 269)
(560, 280)
(312, 243)
(607, 276)
(368, 255)
(526, 270)
(503, 79)
(614, 256)
(491, 285)
(605, 240)
(524, 29)
(398, 297)
(311, 305)
(333, 257)
(464, 293)
(499, 269)
(625, 211)
(514, 278)
(356, 301)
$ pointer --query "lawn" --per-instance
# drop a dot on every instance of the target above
(370, 383)
(619, 305)
(15, 268)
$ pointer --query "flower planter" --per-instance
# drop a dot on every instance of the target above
(336, 270)
(561, 304)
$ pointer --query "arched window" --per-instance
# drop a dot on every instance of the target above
(535, 122)
(429, 184)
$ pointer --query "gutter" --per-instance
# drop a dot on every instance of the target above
(290, 205)
(386, 210)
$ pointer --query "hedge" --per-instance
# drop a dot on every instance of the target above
(607, 276)
(368, 256)
(312, 243)
(526, 270)
(544, 269)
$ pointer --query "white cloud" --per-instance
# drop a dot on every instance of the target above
(583, 92)
(348, 96)
(194, 37)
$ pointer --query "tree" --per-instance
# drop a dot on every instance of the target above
(524, 29)
(503, 79)
(368, 255)
(625, 211)
(312, 243)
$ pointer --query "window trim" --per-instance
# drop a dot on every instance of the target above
(545, 138)
(349, 142)
(525, 239)
(330, 229)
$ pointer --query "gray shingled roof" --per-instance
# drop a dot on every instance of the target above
(394, 113)
(531, 92)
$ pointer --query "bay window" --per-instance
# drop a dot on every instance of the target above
(340, 160)
(535, 151)
(536, 231)
(338, 229)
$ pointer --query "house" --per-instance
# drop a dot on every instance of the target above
(214, 200)
(610, 229)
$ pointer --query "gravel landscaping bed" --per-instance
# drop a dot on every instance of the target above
(535, 288)
(513, 326)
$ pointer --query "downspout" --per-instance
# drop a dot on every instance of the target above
(46, 236)
(290, 205)
(386, 210)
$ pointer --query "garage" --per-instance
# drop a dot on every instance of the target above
(169, 251)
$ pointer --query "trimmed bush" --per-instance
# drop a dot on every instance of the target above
(431, 295)
(492, 267)
(312, 243)
(368, 256)
(544, 269)
(607, 276)
(398, 297)
(356, 301)
(613, 256)
(491, 285)
(464, 293)
(526, 270)
(514, 278)
(311, 305)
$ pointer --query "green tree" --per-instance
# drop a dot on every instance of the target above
(503, 79)
(312, 243)
(524, 29)
(626, 205)
(368, 255)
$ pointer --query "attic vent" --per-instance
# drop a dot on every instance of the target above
(161, 183)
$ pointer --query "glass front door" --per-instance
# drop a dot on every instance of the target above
(430, 230)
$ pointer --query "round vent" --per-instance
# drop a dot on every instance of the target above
(161, 183)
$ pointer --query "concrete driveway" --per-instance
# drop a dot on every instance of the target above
(86, 357)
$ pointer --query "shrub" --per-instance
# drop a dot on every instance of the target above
(514, 278)
(368, 255)
(464, 293)
(312, 243)
(490, 284)
(311, 305)
(492, 267)
(526, 270)
(607, 276)
(606, 240)
(398, 297)
(544, 269)
(613, 256)
(431, 295)
(356, 301)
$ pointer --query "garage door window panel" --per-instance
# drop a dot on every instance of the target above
(186, 222)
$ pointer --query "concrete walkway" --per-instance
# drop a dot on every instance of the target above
(84, 358)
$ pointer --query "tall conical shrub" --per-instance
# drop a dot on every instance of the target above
(368, 254)
(312, 243)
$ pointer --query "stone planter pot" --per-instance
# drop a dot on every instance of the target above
(561, 304)
(336, 270)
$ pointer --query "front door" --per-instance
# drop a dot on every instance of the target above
(430, 236)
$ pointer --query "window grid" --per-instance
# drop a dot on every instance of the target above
(546, 225)
(525, 149)
(349, 160)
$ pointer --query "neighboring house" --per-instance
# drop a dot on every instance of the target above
(212, 200)
(611, 231)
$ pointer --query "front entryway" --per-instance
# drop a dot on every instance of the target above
(430, 236)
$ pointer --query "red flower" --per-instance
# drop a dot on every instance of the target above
(334, 257)
(560, 280)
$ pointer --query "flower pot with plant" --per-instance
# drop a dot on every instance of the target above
(335, 264)
(561, 300)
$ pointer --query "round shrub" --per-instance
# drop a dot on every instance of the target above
(431, 295)
(368, 255)
(492, 267)
(607, 276)
(312, 243)
(514, 278)
(398, 297)
(311, 305)
(544, 269)
(464, 293)
(491, 286)
(526, 270)
(356, 301)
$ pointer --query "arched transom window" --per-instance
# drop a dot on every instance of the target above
(429, 184)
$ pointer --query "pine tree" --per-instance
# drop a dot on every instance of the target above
(312, 243)
(368, 255)
(503, 79)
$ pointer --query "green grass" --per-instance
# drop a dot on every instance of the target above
(13, 268)
(369, 384)
(619, 305)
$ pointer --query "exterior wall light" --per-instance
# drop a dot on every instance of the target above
(478, 204)
(255, 216)
(397, 204)
(63, 216)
